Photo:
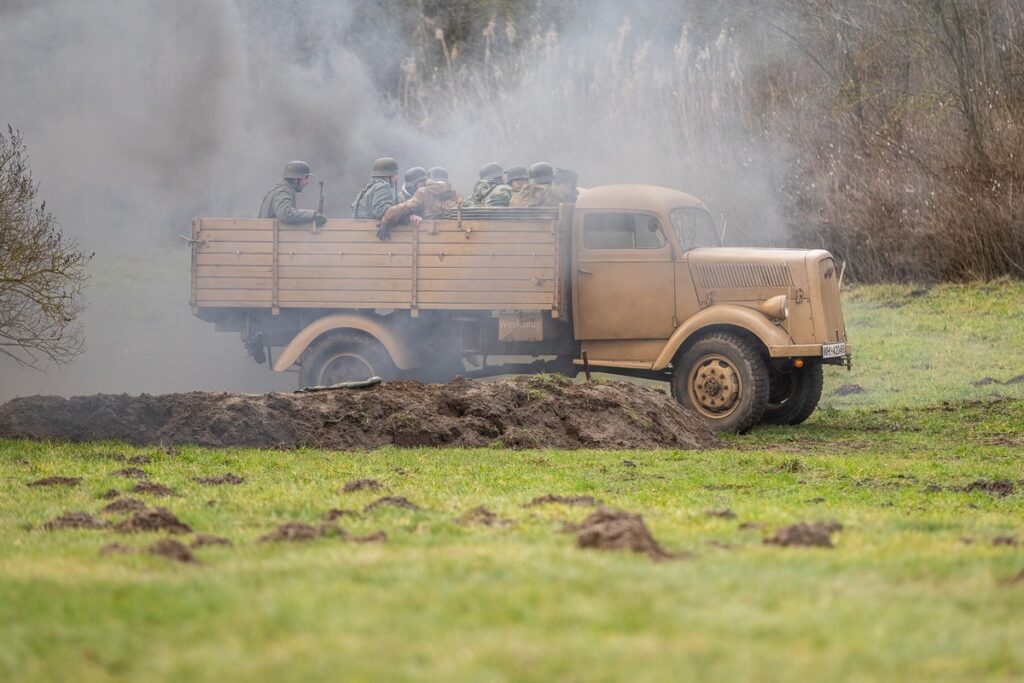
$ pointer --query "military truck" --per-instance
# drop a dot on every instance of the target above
(630, 280)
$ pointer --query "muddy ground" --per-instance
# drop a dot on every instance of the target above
(523, 412)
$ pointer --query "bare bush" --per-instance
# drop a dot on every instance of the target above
(41, 271)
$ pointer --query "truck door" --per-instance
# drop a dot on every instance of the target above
(624, 279)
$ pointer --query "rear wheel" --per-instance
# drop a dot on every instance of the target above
(793, 395)
(723, 378)
(345, 357)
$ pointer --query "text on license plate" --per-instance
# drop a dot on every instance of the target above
(833, 350)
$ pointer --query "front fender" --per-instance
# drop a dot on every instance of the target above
(732, 315)
(404, 355)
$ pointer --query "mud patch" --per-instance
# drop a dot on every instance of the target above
(229, 479)
(564, 500)
(157, 519)
(126, 504)
(849, 390)
(204, 540)
(483, 517)
(153, 489)
(293, 532)
(546, 411)
(56, 481)
(997, 487)
(130, 473)
(361, 485)
(1008, 541)
(814, 534)
(172, 550)
(75, 520)
(392, 501)
(618, 530)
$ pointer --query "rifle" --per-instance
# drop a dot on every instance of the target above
(319, 207)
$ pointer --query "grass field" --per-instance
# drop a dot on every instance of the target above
(915, 588)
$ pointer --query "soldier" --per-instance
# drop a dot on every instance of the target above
(415, 178)
(280, 201)
(517, 177)
(438, 173)
(378, 195)
(539, 192)
(491, 189)
(430, 201)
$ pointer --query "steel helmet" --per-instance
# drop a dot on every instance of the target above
(491, 171)
(415, 175)
(541, 173)
(438, 173)
(517, 173)
(294, 170)
(384, 167)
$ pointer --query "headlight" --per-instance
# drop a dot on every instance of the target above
(776, 307)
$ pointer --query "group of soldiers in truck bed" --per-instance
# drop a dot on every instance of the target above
(424, 194)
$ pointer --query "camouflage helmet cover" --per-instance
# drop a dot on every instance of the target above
(542, 173)
(384, 167)
(415, 175)
(294, 170)
(438, 173)
(517, 173)
(491, 171)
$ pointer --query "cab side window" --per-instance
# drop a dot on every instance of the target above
(622, 231)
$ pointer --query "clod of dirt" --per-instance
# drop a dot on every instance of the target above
(293, 531)
(997, 487)
(75, 520)
(156, 519)
(131, 473)
(618, 530)
(522, 412)
(229, 478)
(153, 489)
(484, 517)
(817, 534)
(203, 540)
(849, 390)
(628, 463)
(109, 494)
(744, 526)
(172, 550)
(361, 485)
(724, 513)
(335, 513)
(124, 505)
(1005, 540)
(393, 501)
(140, 460)
(56, 481)
(564, 500)
(985, 381)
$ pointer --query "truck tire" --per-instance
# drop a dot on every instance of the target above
(345, 356)
(793, 396)
(724, 379)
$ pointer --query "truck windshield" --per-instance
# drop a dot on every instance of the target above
(694, 227)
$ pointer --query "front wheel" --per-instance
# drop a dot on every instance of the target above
(345, 356)
(724, 379)
(794, 395)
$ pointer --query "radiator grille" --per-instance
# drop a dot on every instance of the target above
(743, 275)
(830, 299)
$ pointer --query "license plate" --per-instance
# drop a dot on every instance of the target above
(833, 350)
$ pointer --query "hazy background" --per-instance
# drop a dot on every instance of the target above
(888, 132)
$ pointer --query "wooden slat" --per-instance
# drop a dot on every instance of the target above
(471, 249)
(236, 223)
(234, 271)
(520, 285)
(496, 261)
(241, 295)
(346, 260)
(345, 284)
(485, 273)
(497, 299)
(234, 260)
(339, 297)
(233, 247)
(342, 271)
(234, 282)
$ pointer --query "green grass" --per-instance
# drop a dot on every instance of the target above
(914, 589)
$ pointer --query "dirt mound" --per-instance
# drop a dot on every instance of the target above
(157, 519)
(110, 493)
(172, 550)
(229, 478)
(293, 531)
(153, 489)
(724, 513)
(75, 520)
(849, 390)
(56, 481)
(125, 504)
(542, 411)
(564, 500)
(392, 501)
(619, 530)
(997, 487)
(361, 485)
(484, 517)
(130, 473)
(203, 540)
(818, 534)
(336, 513)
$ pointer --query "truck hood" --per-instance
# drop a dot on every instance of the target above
(752, 255)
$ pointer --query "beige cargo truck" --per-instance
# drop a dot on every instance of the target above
(631, 280)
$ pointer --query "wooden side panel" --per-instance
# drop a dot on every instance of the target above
(449, 265)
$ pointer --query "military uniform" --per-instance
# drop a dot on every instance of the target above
(374, 199)
(536, 195)
(430, 201)
(280, 203)
(487, 193)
